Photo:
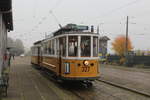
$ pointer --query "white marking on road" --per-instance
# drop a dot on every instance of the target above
(36, 87)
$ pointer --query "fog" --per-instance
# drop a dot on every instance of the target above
(33, 18)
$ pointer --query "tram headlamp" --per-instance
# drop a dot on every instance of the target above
(86, 63)
(67, 68)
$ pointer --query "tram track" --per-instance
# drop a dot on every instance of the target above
(76, 94)
(80, 94)
(73, 92)
(58, 83)
(124, 87)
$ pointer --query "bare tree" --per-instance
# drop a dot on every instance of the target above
(17, 47)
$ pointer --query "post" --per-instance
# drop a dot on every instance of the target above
(98, 29)
(126, 43)
(127, 36)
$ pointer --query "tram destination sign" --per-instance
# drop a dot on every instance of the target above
(77, 27)
(82, 27)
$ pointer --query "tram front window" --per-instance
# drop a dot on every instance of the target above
(72, 46)
(95, 46)
(85, 46)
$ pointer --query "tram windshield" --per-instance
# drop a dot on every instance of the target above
(72, 46)
(85, 46)
(82, 46)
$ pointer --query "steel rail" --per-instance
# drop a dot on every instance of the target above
(56, 81)
(76, 94)
(125, 87)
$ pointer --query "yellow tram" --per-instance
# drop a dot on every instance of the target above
(71, 53)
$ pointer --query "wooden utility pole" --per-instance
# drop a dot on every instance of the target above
(126, 46)
(126, 43)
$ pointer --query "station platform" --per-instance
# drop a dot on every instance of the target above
(26, 83)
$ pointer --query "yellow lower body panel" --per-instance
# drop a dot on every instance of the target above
(77, 69)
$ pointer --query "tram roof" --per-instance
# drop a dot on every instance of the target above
(71, 34)
(6, 10)
(38, 42)
(70, 28)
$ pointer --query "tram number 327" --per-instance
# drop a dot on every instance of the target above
(85, 69)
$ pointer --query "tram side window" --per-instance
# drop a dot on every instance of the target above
(72, 46)
(35, 51)
(32, 51)
(49, 47)
(62, 43)
(85, 46)
(57, 46)
(95, 46)
(45, 48)
(53, 46)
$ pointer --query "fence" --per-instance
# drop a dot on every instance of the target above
(131, 60)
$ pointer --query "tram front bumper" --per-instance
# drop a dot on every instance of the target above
(79, 78)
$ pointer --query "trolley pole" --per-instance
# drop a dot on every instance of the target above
(126, 43)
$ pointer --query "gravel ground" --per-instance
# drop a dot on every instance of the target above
(131, 77)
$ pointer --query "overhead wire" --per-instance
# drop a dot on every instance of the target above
(59, 1)
(51, 12)
(106, 14)
(43, 18)
(119, 8)
(116, 9)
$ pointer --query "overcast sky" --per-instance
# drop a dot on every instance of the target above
(33, 18)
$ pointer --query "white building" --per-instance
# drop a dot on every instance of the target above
(6, 25)
(103, 43)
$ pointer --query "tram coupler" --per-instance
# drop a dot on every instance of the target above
(88, 83)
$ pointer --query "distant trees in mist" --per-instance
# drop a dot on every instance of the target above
(16, 46)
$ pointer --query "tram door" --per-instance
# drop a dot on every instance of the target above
(62, 52)
(60, 58)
